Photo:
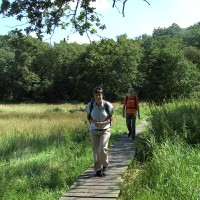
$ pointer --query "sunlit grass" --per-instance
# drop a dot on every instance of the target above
(177, 119)
(45, 147)
(37, 146)
(39, 108)
(172, 173)
(167, 157)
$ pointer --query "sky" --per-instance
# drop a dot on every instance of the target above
(140, 18)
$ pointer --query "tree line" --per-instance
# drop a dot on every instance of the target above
(159, 67)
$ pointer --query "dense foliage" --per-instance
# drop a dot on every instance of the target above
(159, 67)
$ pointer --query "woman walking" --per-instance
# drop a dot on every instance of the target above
(100, 114)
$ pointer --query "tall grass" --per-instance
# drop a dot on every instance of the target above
(172, 173)
(42, 151)
(44, 148)
(168, 157)
(177, 119)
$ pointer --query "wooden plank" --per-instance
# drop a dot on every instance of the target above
(97, 194)
(97, 187)
(114, 172)
(109, 179)
(92, 190)
(105, 182)
(99, 184)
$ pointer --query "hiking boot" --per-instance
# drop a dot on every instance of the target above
(99, 173)
(104, 171)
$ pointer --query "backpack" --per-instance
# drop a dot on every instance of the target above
(106, 109)
(134, 101)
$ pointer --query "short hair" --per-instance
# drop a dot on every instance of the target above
(98, 89)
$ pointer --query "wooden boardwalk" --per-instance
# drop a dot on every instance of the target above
(89, 187)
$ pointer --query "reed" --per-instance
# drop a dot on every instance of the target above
(167, 162)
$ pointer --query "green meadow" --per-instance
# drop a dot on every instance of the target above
(44, 147)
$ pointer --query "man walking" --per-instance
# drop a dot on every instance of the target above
(130, 103)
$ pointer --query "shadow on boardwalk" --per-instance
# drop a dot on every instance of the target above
(89, 187)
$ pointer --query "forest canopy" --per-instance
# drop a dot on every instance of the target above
(159, 67)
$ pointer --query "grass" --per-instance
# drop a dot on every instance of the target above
(39, 108)
(172, 173)
(44, 148)
(177, 119)
(167, 162)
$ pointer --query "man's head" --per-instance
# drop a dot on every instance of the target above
(130, 90)
(98, 89)
(98, 94)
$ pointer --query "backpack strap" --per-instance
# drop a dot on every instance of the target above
(108, 111)
(91, 107)
(106, 108)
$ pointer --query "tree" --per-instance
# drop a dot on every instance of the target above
(6, 62)
(174, 31)
(22, 80)
(167, 73)
(113, 65)
(65, 67)
(193, 54)
(43, 16)
(191, 36)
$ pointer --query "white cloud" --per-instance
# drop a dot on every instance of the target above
(79, 39)
(33, 34)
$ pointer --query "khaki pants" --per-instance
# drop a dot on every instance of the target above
(99, 141)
